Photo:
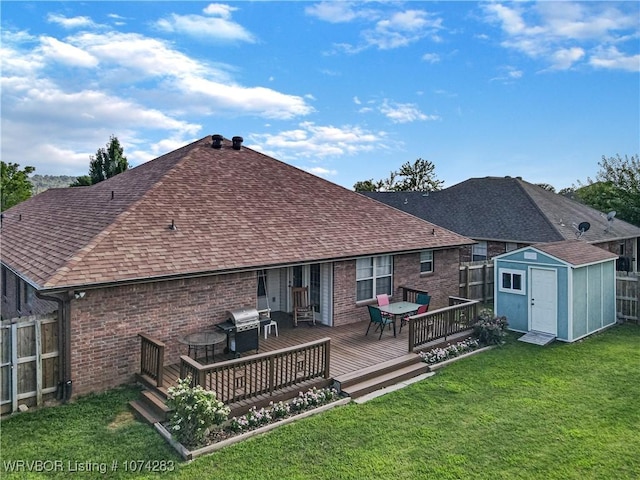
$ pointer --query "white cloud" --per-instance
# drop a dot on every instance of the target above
(318, 141)
(216, 25)
(404, 112)
(73, 111)
(386, 30)
(339, 12)
(322, 172)
(65, 53)
(509, 75)
(564, 58)
(73, 22)
(564, 34)
(219, 9)
(431, 57)
(612, 58)
(402, 29)
(200, 87)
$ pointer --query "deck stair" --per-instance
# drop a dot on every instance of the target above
(361, 382)
(151, 406)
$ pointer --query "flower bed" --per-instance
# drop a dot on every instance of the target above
(437, 355)
(254, 422)
(488, 331)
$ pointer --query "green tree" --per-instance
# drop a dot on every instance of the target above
(616, 188)
(547, 187)
(81, 181)
(367, 186)
(15, 185)
(107, 163)
(417, 176)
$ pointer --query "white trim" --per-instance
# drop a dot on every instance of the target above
(512, 272)
(570, 301)
(530, 293)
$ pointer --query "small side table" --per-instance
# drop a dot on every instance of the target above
(207, 339)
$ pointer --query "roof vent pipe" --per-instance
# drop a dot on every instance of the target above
(217, 141)
(237, 142)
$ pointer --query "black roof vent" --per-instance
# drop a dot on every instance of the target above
(237, 142)
(217, 141)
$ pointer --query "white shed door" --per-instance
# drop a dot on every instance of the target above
(544, 301)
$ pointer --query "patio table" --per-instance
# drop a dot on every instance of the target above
(399, 309)
(206, 338)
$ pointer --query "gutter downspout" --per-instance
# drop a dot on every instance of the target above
(63, 300)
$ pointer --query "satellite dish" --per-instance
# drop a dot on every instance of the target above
(581, 228)
(611, 215)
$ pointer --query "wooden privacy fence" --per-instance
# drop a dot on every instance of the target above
(476, 281)
(628, 297)
(458, 317)
(28, 360)
(261, 374)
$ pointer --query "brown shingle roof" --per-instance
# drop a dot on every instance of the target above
(575, 252)
(233, 209)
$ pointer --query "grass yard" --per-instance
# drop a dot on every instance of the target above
(565, 411)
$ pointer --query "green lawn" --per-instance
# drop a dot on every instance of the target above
(563, 411)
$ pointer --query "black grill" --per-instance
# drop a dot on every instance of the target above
(242, 329)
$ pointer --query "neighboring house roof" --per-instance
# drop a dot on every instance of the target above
(507, 209)
(233, 210)
(575, 252)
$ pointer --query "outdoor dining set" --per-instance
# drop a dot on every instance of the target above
(386, 313)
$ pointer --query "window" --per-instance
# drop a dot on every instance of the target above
(510, 246)
(374, 275)
(28, 294)
(512, 281)
(426, 261)
(479, 251)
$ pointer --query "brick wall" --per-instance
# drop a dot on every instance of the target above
(30, 304)
(440, 284)
(105, 348)
(493, 249)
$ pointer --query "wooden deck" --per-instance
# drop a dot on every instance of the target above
(351, 350)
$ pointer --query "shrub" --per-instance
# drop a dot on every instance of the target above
(195, 412)
(489, 329)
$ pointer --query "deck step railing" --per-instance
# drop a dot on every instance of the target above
(152, 358)
(261, 374)
(441, 323)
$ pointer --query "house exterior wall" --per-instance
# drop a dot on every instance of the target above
(105, 323)
(105, 347)
(440, 284)
(494, 248)
(624, 248)
(30, 303)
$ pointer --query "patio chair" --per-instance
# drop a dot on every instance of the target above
(383, 299)
(421, 309)
(423, 298)
(375, 316)
(302, 310)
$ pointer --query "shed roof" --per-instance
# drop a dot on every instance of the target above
(575, 252)
(232, 209)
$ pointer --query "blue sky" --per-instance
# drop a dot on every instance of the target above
(346, 90)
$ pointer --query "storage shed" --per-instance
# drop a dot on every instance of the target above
(560, 290)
